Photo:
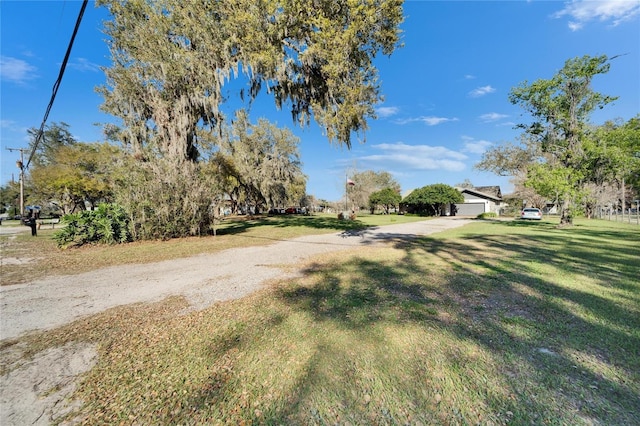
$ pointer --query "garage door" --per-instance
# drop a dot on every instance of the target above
(469, 209)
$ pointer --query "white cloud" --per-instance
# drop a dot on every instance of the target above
(583, 11)
(469, 77)
(428, 120)
(7, 124)
(416, 157)
(492, 116)
(481, 91)
(16, 70)
(421, 150)
(475, 146)
(14, 127)
(83, 64)
(384, 112)
(575, 26)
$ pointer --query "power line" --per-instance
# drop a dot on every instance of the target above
(56, 85)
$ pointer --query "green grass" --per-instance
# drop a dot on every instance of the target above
(493, 323)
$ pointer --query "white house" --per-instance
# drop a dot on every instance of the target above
(478, 200)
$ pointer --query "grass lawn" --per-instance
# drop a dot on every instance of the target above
(493, 323)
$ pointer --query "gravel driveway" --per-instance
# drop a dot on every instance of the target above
(35, 392)
(202, 279)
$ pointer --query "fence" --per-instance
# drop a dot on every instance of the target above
(626, 216)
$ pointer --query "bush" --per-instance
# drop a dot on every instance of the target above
(342, 216)
(108, 224)
(431, 199)
(167, 199)
(487, 215)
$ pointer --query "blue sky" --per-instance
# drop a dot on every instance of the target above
(446, 91)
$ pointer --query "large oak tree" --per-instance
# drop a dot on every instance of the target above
(173, 61)
(173, 58)
(560, 109)
(260, 163)
(366, 183)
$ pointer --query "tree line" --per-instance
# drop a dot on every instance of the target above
(178, 153)
(563, 159)
(256, 165)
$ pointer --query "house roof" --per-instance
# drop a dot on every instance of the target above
(490, 192)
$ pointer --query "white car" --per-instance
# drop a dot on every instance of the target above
(531, 213)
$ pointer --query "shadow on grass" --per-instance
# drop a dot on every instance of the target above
(436, 331)
(557, 344)
(607, 254)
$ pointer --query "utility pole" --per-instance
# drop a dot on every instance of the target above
(20, 164)
(346, 194)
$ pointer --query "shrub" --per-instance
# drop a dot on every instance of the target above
(166, 199)
(487, 215)
(431, 199)
(108, 224)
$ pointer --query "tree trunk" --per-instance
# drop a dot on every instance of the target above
(589, 210)
(565, 218)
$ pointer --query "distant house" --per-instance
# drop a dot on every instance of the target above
(478, 200)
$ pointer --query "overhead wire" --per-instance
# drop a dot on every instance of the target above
(56, 85)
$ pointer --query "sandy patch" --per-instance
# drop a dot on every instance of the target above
(36, 392)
